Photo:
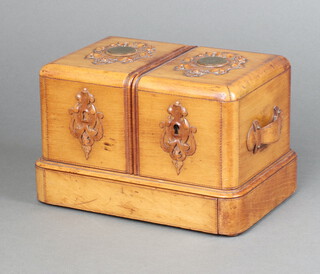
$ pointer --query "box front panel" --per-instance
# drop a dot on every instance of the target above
(179, 139)
(83, 124)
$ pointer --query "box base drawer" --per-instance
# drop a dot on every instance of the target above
(226, 212)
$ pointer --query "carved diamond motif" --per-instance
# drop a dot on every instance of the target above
(85, 121)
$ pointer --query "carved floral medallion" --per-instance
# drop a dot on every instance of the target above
(85, 121)
(126, 52)
(178, 136)
(217, 63)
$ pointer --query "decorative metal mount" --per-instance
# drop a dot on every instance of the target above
(85, 121)
(177, 138)
(217, 63)
(259, 137)
(126, 52)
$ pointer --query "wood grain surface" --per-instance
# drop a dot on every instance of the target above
(61, 146)
(223, 117)
(221, 187)
(127, 200)
(220, 212)
(238, 214)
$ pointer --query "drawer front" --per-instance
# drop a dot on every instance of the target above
(179, 139)
(129, 201)
(83, 124)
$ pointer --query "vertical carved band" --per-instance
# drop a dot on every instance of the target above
(177, 138)
(85, 121)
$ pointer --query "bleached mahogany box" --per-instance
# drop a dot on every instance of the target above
(186, 136)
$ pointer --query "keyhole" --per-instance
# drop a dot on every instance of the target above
(84, 116)
(176, 129)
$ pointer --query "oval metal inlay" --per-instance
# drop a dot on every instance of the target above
(212, 61)
(120, 51)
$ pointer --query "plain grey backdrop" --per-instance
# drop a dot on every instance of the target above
(38, 238)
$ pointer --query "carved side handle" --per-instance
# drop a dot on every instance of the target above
(259, 137)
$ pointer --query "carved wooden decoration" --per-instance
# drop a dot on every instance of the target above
(121, 52)
(217, 63)
(85, 121)
(259, 137)
(177, 138)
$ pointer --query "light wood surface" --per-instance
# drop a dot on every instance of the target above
(57, 98)
(227, 213)
(202, 168)
(222, 159)
(274, 93)
(129, 201)
(229, 145)
(75, 67)
(228, 87)
(238, 214)
(209, 181)
(110, 84)
(169, 185)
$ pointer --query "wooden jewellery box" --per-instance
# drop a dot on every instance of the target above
(192, 137)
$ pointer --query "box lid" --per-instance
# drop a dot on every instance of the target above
(109, 61)
(212, 73)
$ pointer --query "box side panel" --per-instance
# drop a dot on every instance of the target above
(259, 106)
(62, 142)
(237, 215)
(229, 144)
(131, 201)
(202, 167)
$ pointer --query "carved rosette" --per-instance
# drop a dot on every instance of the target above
(85, 121)
(217, 63)
(126, 52)
(177, 137)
